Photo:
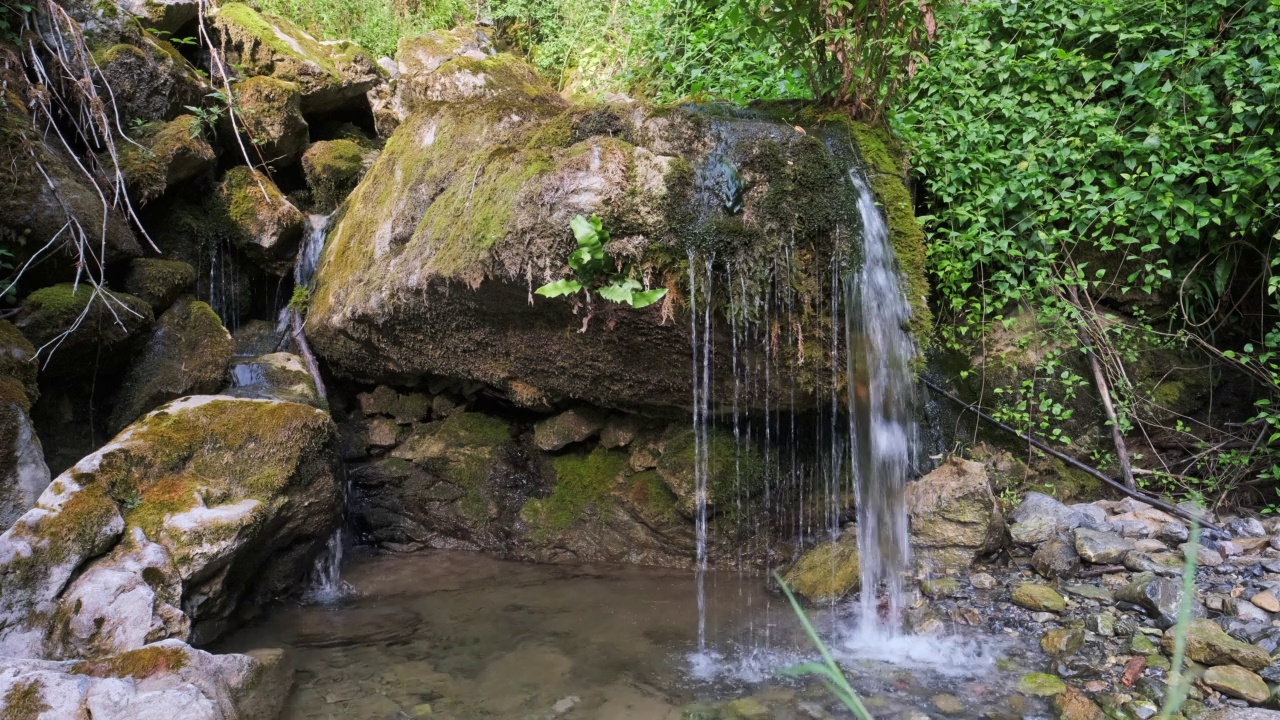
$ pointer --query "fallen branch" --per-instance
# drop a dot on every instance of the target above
(300, 338)
(1131, 492)
(1104, 391)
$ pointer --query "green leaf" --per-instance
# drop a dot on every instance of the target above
(647, 298)
(558, 288)
(1222, 272)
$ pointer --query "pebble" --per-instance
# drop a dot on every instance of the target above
(1092, 592)
(982, 581)
(1267, 601)
(948, 704)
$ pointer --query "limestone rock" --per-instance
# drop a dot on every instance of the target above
(732, 471)
(274, 376)
(1159, 596)
(166, 153)
(270, 226)
(150, 80)
(829, 571)
(159, 282)
(97, 329)
(187, 354)
(23, 473)
(329, 75)
(1038, 598)
(571, 426)
(218, 501)
(333, 168)
(1208, 644)
(165, 15)
(1237, 682)
(1101, 548)
(160, 681)
(954, 515)
(1056, 558)
(1039, 517)
(269, 112)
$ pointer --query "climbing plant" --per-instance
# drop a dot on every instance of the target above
(593, 269)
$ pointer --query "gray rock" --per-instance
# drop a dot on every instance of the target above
(982, 581)
(1056, 558)
(1039, 517)
(1144, 563)
(277, 376)
(1101, 548)
(1238, 713)
(1246, 527)
(1204, 556)
(1097, 517)
(1103, 624)
(1092, 592)
(619, 431)
(1247, 611)
(1173, 532)
(571, 426)
(1158, 596)
(1193, 509)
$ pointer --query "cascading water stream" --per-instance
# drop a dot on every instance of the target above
(881, 389)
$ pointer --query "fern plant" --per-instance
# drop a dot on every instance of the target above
(593, 269)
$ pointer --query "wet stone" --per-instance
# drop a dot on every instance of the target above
(1140, 644)
(1158, 596)
(1267, 601)
(940, 587)
(1173, 532)
(1092, 592)
(1208, 644)
(1056, 558)
(1204, 556)
(982, 581)
(1246, 527)
(1041, 685)
(1143, 563)
(1101, 624)
(1072, 704)
(1237, 682)
(1101, 548)
(948, 704)
(1061, 641)
(1038, 598)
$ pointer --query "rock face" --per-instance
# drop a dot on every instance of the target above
(954, 517)
(198, 512)
(161, 681)
(269, 226)
(333, 167)
(187, 355)
(467, 209)
(166, 154)
(271, 117)
(829, 571)
(23, 473)
(91, 329)
(159, 282)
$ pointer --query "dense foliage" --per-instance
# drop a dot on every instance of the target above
(374, 24)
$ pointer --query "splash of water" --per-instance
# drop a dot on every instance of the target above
(881, 386)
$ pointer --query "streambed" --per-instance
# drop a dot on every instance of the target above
(471, 636)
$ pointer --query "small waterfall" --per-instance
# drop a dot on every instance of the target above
(309, 253)
(881, 387)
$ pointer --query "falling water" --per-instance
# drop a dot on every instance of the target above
(881, 388)
(326, 581)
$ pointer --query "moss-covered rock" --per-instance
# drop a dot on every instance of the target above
(269, 112)
(1208, 644)
(333, 168)
(568, 427)
(34, 210)
(159, 282)
(827, 572)
(583, 485)
(225, 499)
(467, 209)
(954, 516)
(187, 354)
(269, 226)
(163, 15)
(735, 471)
(18, 360)
(167, 679)
(83, 328)
(329, 75)
(165, 155)
(149, 80)
(274, 376)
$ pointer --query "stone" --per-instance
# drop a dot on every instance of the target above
(982, 581)
(411, 408)
(1038, 598)
(333, 168)
(1240, 713)
(1061, 641)
(93, 331)
(383, 433)
(1101, 548)
(269, 226)
(1041, 685)
(733, 470)
(1165, 563)
(1249, 612)
(571, 426)
(328, 75)
(1267, 601)
(1205, 557)
(165, 154)
(829, 571)
(23, 472)
(274, 376)
(216, 512)
(379, 402)
(1149, 545)
(162, 680)
(948, 704)
(1173, 532)
(619, 431)
(1237, 682)
(1072, 704)
(1101, 624)
(1208, 644)
(187, 354)
(1039, 517)
(1056, 558)
(954, 516)
(1140, 644)
(1246, 527)
(270, 115)
(1159, 596)
(167, 16)
(159, 282)
(940, 587)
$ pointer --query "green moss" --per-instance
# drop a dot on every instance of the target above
(583, 483)
(140, 664)
(651, 497)
(474, 429)
(827, 572)
(333, 167)
(149, 165)
(733, 473)
(111, 53)
(250, 27)
(159, 282)
(24, 701)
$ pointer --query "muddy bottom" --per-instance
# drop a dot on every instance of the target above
(462, 635)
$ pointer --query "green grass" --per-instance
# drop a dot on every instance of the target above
(827, 670)
(376, 25)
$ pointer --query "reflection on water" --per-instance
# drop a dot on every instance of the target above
(475, 637)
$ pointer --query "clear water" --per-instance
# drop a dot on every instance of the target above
(477, 637)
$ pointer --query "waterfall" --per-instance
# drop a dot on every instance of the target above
(309, 253)
(881, 387)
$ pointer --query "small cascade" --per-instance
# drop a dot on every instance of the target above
(312, 247)
(881, 386)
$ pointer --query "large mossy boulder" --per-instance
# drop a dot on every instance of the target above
(159, 282)
(187, 354)
(332, 168)
(467, 210)
(193, 517)
(23, 472)
(167, 16)
(735, 471)
(274, 376)
(954, 516)
(147, 78)
(164, 155)
(827, 572)
(82, 328)
(166, 680)
(269, 116)
(329, 75)
(266, 225)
